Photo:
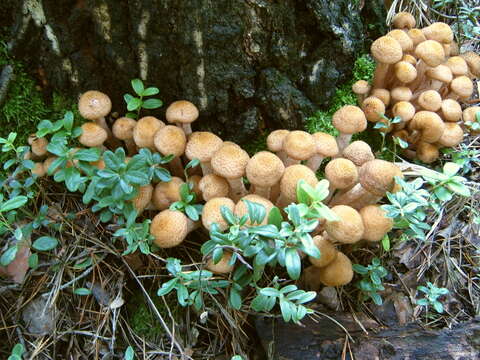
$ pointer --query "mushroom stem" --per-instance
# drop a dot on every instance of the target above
(381, 72)
(342, 141)
(187, 128)
(290, 161)
(131, 147)
(262, 191)
(357, 197)
(237, 189)
(192, 225)
(176, 167)
(282, 155)
(421, 68)
(282, 201)
(314, 162)
(206, 168)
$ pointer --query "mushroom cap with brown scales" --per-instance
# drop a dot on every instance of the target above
(403, 39)
(417, 36)
(202, 145)
(325, 144)
(401, 93)
(242, 209)
(462, 86)
(386, 50)
(427, 152)
(169, 228)
(145, 130)
(375, 222)
(39, 169)
(452, 135)
(230, 162)
(440, 32)
(38, 146)
(404, 109)
(222, 267)
(92, 135)
(405, 72)
(361, 87)
(170, 140)
(275, 140)
(181, 111)
(264, 169)
(378, 176)
(382, 94)
(211, 212)
(338, 273)
(348, 229)
(341, 173)
(123, 128)
(473, 61)
(373, 108)
(143, 198)
(441, 73)
(431, 52)
(94, 104)
(213, 186)
(292, 175)
(470, 113)
(430, 100)
(358, 152)
(457, 65)
(349, 119)
(299, 145)
(451, 110)
(429, 124)
(328, 252)
(403, 20)
(410, 59)
(166, 193)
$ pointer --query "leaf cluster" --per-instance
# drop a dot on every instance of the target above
(432, 294)
(136, 103)
(371, 281)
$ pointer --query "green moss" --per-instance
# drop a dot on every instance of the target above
(256, 145)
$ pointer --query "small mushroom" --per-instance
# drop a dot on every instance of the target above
(451, 110)
(222, 267)
(417, 37)
(430, 100)
(439, 76)
(264, 170)
(439, 31)
(211, 212)
(403, 39)
(386, 51)
(460, 88)
(326, 146)
(405, 111)
(373, 108)
(451, 136)
(403, 20)
(93, 135)
(473, 61)
(123, 129)
(171, 140)
(288, 184)
(275, 143)
(359, 152)
(382, 94)
(213, 186)
(202, 145)
(182, 113)
(328, 252)
(457, 65)
(427, 152)
(166, 193)
(341, 174)
(375, 222)
(338, 273)
(143, 198)
(95, 105)
(361, 88)
(348, 229)
(401, 93)
(298, 145)
(38, 146)
(348, 120)
(145, 130)
(170, 227)
(429, 125)
(39, 169)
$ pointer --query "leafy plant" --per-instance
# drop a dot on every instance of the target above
(137, 103)
(386, 123)
(186, 204)
(371, 281)
(432, 294)
(466, 157)
(17, 352)
(129, 354)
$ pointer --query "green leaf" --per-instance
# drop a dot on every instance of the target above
(268, 291)
(33, 261)
(14, 203)
(45, 243)
(227, 215)
(386, 243)
(293, 263)
(451, 168)
(129, 354)
(438, 307)
(167, 287)
(377, 299)
(92, 154)
(134, 104)
(150, 91)
(235, 299)
(137, 86)
(68, 120)
(82, 291)
(9, 255)
(193, 163)
(192, 213)
(18, 350)
(459, 188)
(360, 269)
(275, 217)
(302, 195)
(217, 255)
(152, 104)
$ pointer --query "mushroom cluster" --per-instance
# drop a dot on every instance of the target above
(421, 78)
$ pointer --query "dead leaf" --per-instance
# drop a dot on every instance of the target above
(39, 317)
(18, 268)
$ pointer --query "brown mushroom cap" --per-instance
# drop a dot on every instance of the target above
(92, 135)
(439, 31)
(473, 61)
(169, 228)
(328, 252)
(299, 145)
(401, 93)
(429, 124)
(441, 73)
(166, 193)
(405, 72)
(469, 114)
(143, 197)
(403, 20)
(94, 105)
(39, 146)
(145, 130)
(375, 222)
(359, 152)
(170, 140)
(386, 50)
(292, 175)
(457, 65)
(431, 52)
(348, 229)
(361, 87)
(430, 100)
(452, 135)
(427, 152)
(211, 212)
(264, 169)
(325, 144)
(222, 267)
(341, 173)
(230, 162)
(378, 176)
(39, 169)
(241, 208)
(202, 145)
(404, 109)
(123, 128)
(410, 59)
(417, 36)
(213, 186)
(181, 111)
(349, 119)
(382, 94)
(339, 272)
(451, 110)
(403, 39)
(275, 140)
(373, 108)
(462, 86)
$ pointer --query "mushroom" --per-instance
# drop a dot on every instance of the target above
(403, 39)
(382, 94)
(143, 198)
(427, 152)
(451, 110)
(170, 227)
(410, 59)
(429, 124)
(430, 100)
(469, 117)
(39, 169)
(298, 145)
(338, 273)
(417, 37)
(182, 113)
(431, 54)
(145, 130)
(401, 93)
(373, 108)
(230, 162)
(202, 145)
(264, 170)
(213, 186)
(341, 174)
(439, 31)
(93, 135)
(275, 143)
(375, 222)
(211, 212)
(223, 266)
(348, 229)
(386, 51)
(328, 252)
(451, 136)
(457, 65)
(171, 140)
(361, 88)
(241, 208)
(439, 76)
(38, 146)
(288, 184)
(348, 120)
(403, 20)
(95, 105)
(166, 193)
(460, 88)
(405, 111)
(359, 152)
(405, 72)
(326, 146)
(473, 61)
(123, 129)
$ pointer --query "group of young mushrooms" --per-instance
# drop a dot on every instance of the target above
(421, 78)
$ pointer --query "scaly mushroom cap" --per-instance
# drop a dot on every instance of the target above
(349, 119)
(473, 61)
(166, 193)
(405, 72)
(361, 87)
(457, 65)
(264, 169)
(359, 152)
(338, 273)
(375, 222)
(429, 124)
(382, 94)
(143, 197)
(213, 186)
(452, 136)
(427, 152)
(181, 111)
(292, 175)
(386, 50)
(440, 32)
(430, 100)
(377, 176)
(202, 145)
(169, 228)
(372, 108)
(145, 130)
(349, 229)
(470, 113)
(39, 169)
(123, 128)
(241, 208)
(404, 109)
(403, 20)
(410, 59)
(211, 212)
(275, 140)
(39, 146)
(222, 267)
(431, 52)
(94, 105)
(230, 162)
(417, 36)
(441, 73)
(170, 140)
(341, 173)
(451, 110)
(462, 86)
(92, 135)
(403, 39)
(325, 144)
(328, 252)
(299, 145)
(401, 93)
